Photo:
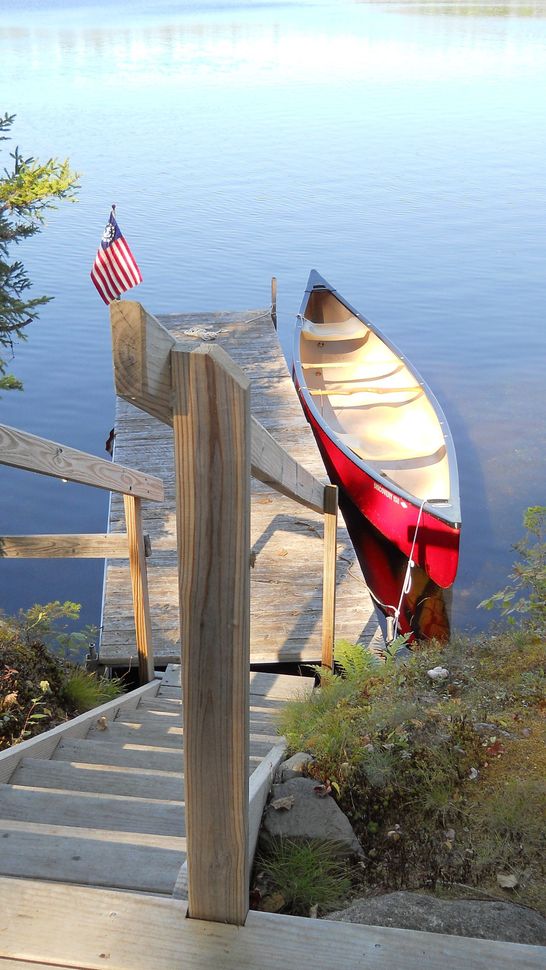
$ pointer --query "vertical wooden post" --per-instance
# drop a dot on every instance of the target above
(329, 576)
(274, 300)
(139, 584)
(211, 421)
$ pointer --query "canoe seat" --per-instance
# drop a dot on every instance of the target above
(378, 450)
(330, 364)
(341, 390)
(350, 329)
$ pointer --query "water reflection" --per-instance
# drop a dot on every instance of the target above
(425, 608)
(455, 9)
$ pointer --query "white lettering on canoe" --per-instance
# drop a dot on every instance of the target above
(392, 498)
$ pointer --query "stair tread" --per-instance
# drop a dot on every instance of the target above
(155, 758)
(112, 753)
(39, 852)
(90, 810)
(107, 779)
(131, 732)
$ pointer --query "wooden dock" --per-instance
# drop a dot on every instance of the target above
(286, 579)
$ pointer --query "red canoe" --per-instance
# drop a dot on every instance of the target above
(382, 434)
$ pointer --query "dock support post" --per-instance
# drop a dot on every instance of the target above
(211, 420)
(139, 585)
(329, 575)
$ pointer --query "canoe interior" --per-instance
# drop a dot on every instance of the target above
(371, 400)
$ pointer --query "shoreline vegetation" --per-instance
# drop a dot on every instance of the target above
(438, 761)
(42, 682)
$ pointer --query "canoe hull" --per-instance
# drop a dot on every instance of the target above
(436, 547)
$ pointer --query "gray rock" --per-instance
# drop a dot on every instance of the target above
(293, 767)
(495, 920)
(311, 817)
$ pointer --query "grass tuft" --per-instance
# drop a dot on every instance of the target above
(304, 874)
(83, 691)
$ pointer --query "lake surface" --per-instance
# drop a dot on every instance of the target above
(398, 148)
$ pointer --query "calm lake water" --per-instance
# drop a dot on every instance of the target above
(397, 147)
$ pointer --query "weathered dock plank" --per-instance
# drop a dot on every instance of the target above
(286, 539)
(75, 926)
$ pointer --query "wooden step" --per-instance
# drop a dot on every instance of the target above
(159, 707)
(153, 723)
(90, 857)
(137, 782)
(259, 706)
(86, 810)
(80, 927)
(127, 732)
(272, 685)
(133, 732)
(132, 755)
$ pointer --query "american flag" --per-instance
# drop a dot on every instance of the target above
(115, 269)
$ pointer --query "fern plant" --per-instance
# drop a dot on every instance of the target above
(355, 662)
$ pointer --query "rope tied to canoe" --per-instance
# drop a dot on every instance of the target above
(406, 585)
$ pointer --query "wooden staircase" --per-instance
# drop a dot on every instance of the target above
(104, 805)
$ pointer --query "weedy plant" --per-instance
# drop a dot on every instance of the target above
(83, 691)
(304, 876)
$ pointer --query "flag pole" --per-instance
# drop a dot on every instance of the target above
(113, 213)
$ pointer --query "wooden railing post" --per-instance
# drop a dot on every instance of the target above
(139, 584)
(329, 576)
(211, 421)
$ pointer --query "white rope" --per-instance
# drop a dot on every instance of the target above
(406, 586)
(203, 334)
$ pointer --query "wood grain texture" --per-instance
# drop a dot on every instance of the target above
(22, 450)
(93, 928)
(329, 576)
(139, 587)
(212, 449)
(76, 546)
(273, 466)
(141, 352)
(258, 791)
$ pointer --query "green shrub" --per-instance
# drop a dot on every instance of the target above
(38, 687)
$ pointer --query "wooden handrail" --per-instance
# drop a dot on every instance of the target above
(273, 466)
(109, 545)
(22, 450)
(139, 587)
(19, 449)
(142, 369)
